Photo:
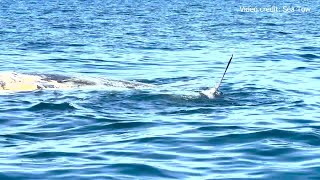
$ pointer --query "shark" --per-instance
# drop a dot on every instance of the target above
(214, 91)
(14, 81)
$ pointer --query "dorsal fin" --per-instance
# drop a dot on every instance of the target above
(219, 84)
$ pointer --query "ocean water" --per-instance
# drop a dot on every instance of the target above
(265, 126)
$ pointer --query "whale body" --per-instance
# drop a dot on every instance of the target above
(13, 81)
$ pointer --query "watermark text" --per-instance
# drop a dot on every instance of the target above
(275, 9)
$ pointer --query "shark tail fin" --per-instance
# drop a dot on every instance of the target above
(225, 71)
(213, 92)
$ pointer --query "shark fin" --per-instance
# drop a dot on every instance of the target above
(213, 92)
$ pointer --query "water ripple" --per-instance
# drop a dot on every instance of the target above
(264, 126)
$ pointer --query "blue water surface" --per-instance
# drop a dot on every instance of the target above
(265, 126)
